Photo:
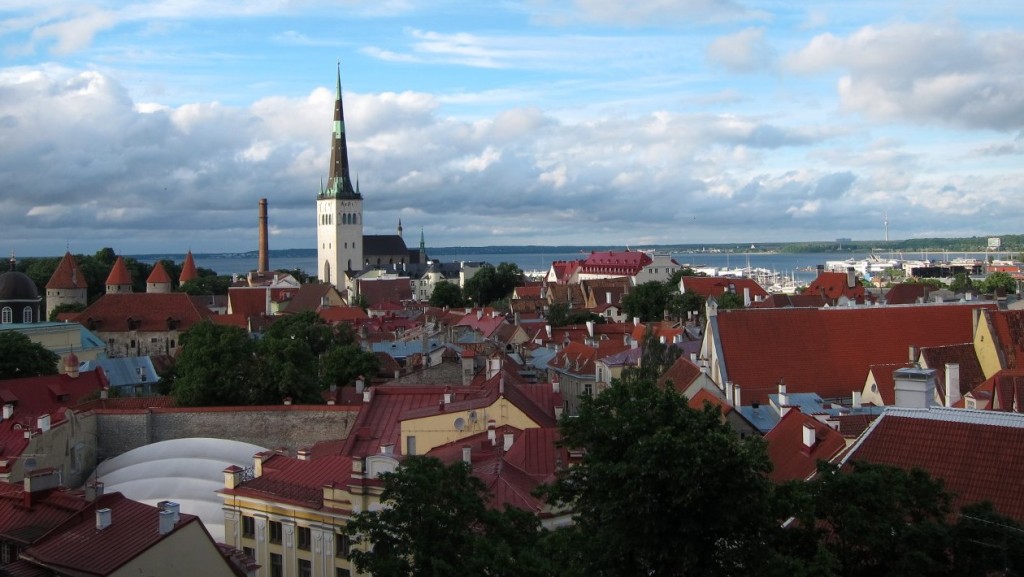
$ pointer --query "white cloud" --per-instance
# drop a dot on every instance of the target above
(745, 51)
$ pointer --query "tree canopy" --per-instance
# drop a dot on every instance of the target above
(491, 283)
(560, 315)
(647, 301)
(20, 357)
(435, 523)
(446, 295)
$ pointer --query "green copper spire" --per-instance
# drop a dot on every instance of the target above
(339, 183)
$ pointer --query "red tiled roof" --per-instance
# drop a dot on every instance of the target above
(976, 453)
(67, 275)
(779, 301)
(526, 292)
(852, 425)
(379, 422)
(159, 275)
(680, 374)
(885, 382)
(297, 481)
(119, 273)
(310, 297)
(36, 396)
(709, 286)
(564, 269)
(188, 269)
(380, 290)
(1008, 328)
(48, 510)
(342, 314)
(834, 285)
(626, 263)
(907, 293)
(1006, 391)
(791, 458)
(971, 374)
(578, 358)
(706, 396)
(252, 301)
(829, 351)
(150, 310)
(79, 548)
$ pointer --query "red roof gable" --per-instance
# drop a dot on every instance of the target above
(380, 290)
(1008, 328)
(342, 314)
(188, 269)
(834, 285)
(680, 374)
(792, 459)
(829, 351)
(297, 481)
(67, 275)
(119, 274)
(626, 263)
(976, 453)
(49, 509)
(907, 293)
(159, 275)
(706, 396)
(79, 548)
(155, 312)
(709, 286)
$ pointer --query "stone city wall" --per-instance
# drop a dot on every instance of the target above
(291, 427)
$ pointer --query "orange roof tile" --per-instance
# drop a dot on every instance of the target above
(710, 286)
(828, 351)
(67, 275)
(159, 275)
(148, 312)
(188, 269)
(119, 274)
(791, 458)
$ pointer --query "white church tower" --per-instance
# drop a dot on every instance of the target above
(339, 210)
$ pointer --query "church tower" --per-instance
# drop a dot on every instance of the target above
(339, 210)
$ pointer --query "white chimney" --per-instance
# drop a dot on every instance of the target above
(608, 297)
(467, 454)
(736, 396)
(8, 410)
(547, 329)
(360, 385)
(367, 395)
(508, 440)
(447, 398)
(783, 396)
(809, 435)
(590, 329)
(174, 509)
(856, 399)
(952, 384)
(43, 422)
(728, 391)
(166, 522)
(746, 297)
(915, 387)
(103, 519)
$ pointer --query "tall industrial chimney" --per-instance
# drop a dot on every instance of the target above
(264, 262)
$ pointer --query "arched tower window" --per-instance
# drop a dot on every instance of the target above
(6, 315)
(327, 272)
(26, 315)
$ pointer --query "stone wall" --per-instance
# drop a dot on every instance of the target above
(289, 427)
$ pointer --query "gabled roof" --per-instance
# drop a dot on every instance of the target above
(834, 285)
(151, 312)
(310, 297)
(578, 358)
(119, 274)
(681, 374)
(343, 314)
(884, 381)
(779, 301)
(976, 453)
(907, 293)
(706, 396)
(383, 245)
(379, 290)
(964, 355)
(158, 275)
(829, 351)
(49, 509)
(710, 286)
(792, 459)
(296, 481)
(78, 548)
(1005, 390)
(188, 269)
(67, 275)
(1008, 328)
(486, 324)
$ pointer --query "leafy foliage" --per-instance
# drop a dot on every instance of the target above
(662, 489)
(20, 357)
(560, 315)
(491, 283)
(446, 295)
(216, 366)
(998, 281)
(65, 308)
(206, 285)
(436, 523)
(961, 283)
(647, 301)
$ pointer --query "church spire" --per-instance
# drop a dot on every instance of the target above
(339, 183)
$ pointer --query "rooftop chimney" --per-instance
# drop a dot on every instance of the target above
(8, 411)
(952, 384)
(166, 522)
(93, 490)
(173, 508)
(809, 435)
(103, 519)
(736, 396)
(264, 256)
(507, 439)
(467, 454)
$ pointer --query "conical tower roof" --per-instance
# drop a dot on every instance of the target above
(188, 269)
(119, 274)
(67, 275)
(339, 181)
(159, 275)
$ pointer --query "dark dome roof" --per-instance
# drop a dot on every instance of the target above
(16, 286)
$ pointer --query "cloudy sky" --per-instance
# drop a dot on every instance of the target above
(158, 126)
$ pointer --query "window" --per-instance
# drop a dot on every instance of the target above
(342, 545)
(305, 568)
(276, 565)
(410, 445)
(339, 572)
(250, 552)
(275, 531)
(26, 315)
(304, 538)
(248, 527)
(588, 389)
(7, 315)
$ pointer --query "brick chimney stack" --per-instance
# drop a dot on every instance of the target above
(264, 257)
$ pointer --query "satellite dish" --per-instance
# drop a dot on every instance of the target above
(472, 416)
(460, 424)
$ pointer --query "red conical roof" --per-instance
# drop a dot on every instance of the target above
(119, 274)
(188, 270)
(159, 275)
(67, 275)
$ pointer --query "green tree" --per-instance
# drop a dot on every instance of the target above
(446, 295)
(285, 368)
(307, 327)
(20, 357)
(647, 301)
(961, 283)
(682, 305)
(870, 520)
(342, 364)
(560, 315)
(998, 281)
(65, 308)
(491, 283)
(662, 489)
(730, 300)
(435, 523)
(206, 285)
(216, 366)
